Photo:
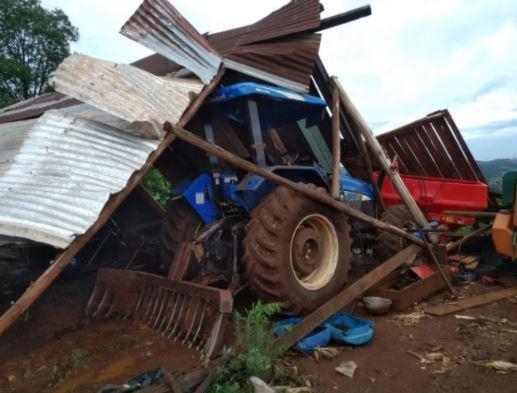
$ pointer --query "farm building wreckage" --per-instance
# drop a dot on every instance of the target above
(277, 180)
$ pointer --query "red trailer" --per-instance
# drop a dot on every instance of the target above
(436, 195)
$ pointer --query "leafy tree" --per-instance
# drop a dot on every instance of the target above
(33, 41)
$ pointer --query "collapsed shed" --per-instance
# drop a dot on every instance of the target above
(77, 163)
(68, 164)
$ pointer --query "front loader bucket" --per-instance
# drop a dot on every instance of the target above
(190, 313)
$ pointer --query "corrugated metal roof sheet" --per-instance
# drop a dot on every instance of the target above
(34, 107)
(432, 146)
(295, 17)
(57, 172)
(126, 92)
(157, 25)
(286, 62)
(273, 49)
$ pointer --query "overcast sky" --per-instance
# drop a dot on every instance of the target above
(410, 58)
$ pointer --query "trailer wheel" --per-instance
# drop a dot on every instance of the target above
(296, 251)
(388, 243)
(181, 224)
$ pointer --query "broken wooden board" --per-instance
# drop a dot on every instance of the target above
(347, 295)
(464, 259)
(476, 301)
(411, 294)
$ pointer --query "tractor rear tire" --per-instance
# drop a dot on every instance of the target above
(296, 251)
(388, 244)
(181, 224)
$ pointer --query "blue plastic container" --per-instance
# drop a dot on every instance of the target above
(319, 337)
(348, 329)
(342, 328)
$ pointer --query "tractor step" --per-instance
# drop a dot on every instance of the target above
(184, 312)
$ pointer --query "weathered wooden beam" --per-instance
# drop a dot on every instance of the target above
(347, 295)
(225, 155)
(475, 301)
(470, 214)
(336, 144)
(381, 156)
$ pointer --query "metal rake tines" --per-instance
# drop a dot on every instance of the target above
(188, 313)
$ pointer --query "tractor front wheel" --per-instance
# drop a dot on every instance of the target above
(296, 251)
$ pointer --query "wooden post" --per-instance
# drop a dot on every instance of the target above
(336, 143)
(381, 156)
(321, 314)
(225, 155)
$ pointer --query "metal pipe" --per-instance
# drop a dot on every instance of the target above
(344, 17)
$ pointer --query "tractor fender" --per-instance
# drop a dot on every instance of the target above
(253, 188)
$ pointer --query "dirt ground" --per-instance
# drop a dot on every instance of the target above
(54, 349)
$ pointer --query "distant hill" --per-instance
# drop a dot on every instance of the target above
(495, 169)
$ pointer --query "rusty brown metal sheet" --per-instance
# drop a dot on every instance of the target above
(291, 59)
(35, 107)
(190, 313)
(272, 49)
(159, 26)
(295, 17)
(432, 146)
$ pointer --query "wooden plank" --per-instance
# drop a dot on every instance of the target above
(336, 142)
(321, 314)
(381, 156)
(476, 301)
(464, 259)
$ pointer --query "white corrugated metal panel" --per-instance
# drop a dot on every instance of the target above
(57, 172)
(145, 100)
(157, 25)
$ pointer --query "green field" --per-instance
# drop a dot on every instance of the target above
(495, 169)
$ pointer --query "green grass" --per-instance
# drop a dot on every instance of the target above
(256, 356)
(158, 186)
(60, 371)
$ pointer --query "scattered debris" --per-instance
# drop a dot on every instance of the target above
(347, 368)
(408, 320)
(327, 353)
(301, 389)
(499, 365)
(259, 386)
(476, 301)
(466, 317)
(435, 357)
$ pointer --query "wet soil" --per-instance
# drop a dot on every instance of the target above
(427, 354)
(54, 349)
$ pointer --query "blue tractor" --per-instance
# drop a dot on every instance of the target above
(291, 249)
